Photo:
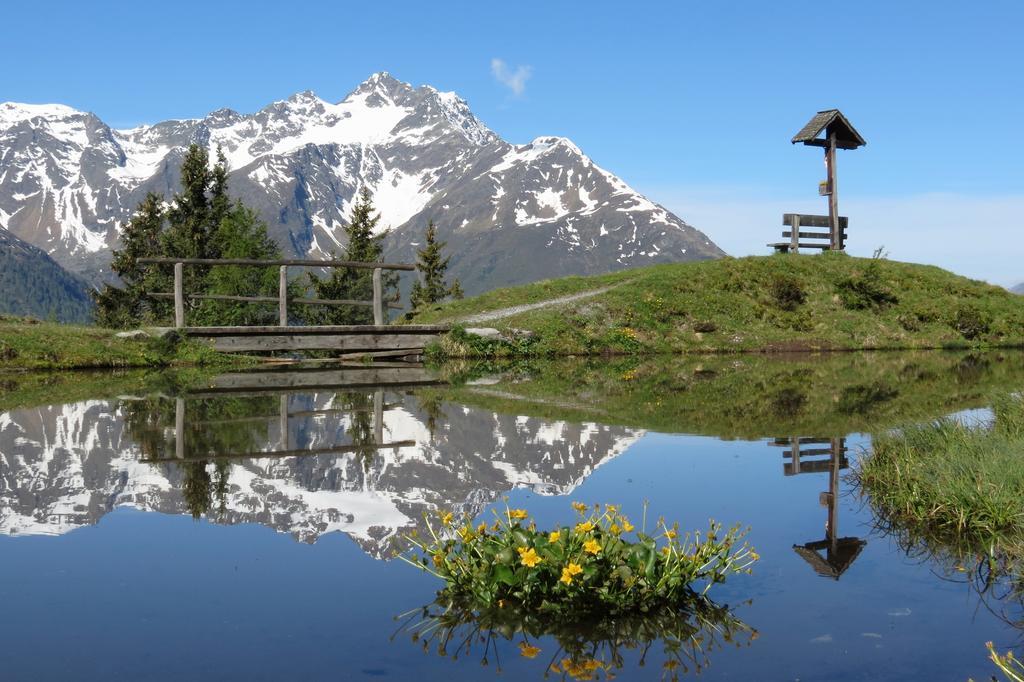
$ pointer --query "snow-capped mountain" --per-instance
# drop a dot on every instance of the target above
(63, 467)
(511, 213)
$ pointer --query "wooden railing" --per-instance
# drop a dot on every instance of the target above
(282, 299)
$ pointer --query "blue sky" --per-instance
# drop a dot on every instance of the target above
(692, 103)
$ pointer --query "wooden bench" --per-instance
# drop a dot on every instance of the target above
(796, 234)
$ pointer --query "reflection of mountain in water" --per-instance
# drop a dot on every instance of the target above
(62, 467)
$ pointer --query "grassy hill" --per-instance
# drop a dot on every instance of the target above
(30, 344)
(33, 284)
(762, 303)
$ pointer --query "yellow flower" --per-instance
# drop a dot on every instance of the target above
(554, 535)
(592, 546)
(528, 651)
(465, 533)
(501, 603)
(755, 556)
(615, 529)
(438, 560)
(584, 527)
(670, 534)
(666, 550)
(482, 528)
(446, 518)
(626, 525)
(569, 571)
(517, 514)
(579, 506)
(529, 557)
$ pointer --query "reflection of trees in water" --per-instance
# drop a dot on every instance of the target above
(215, 426)
(583, 650)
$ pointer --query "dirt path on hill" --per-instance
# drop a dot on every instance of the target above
(526, 307)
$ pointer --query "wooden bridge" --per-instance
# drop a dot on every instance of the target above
(379, 339)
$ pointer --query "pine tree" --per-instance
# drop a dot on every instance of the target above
(126, 306)
(354, 284)
(201, 223)
(432, 267)
(240, 234)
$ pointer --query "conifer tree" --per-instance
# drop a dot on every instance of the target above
(432, 266)
(200, 223)
(140, 238)
(355, 284)
(240, 234)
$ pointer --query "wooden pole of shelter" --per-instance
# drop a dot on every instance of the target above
(831, 533)
(282, 296)
(378, 298)
(179, 295)
(833, 195)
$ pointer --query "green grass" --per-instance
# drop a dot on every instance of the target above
(768, 303)
(743, 396)
(953, 484)
(30, 344)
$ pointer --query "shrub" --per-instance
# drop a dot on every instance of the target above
(970, 322)
(588, 570)
(704, 326)
(787, 292)
(864, 290)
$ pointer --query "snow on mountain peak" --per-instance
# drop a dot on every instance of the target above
(67, 183)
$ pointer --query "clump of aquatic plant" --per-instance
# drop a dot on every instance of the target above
(1008, 663)
(598, 566)
(950, 494)
(955, 480)
(579, 650)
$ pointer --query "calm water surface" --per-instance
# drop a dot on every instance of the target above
(243, 527)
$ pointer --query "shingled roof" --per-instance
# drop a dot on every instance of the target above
(830, 120)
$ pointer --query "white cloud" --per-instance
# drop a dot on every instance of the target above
(978, 236)
(513, 80)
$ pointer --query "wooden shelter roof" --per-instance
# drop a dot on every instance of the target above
(830, 120)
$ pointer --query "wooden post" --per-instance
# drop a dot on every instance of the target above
(179, 295)
(378, 298)
(794, 226)
(833, 195)
(282, 421)
(282, 296)
(378, 417)
(179, 428)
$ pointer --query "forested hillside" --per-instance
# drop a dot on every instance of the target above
(32, 284)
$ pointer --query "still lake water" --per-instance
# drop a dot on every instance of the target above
(242, 527)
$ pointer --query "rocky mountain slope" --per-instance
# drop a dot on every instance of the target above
(33, 285)
(64, 467)
(511, 213)
(1019, 289)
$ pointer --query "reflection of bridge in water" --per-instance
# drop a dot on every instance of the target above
(805, 456)
(284, 384)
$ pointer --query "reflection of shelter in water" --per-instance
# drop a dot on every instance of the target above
(805, 457)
